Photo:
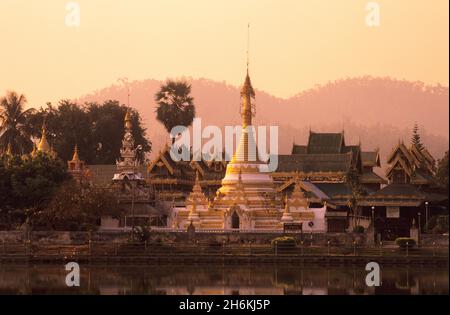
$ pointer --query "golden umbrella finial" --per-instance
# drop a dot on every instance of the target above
(43, 145)
(75, 156)
(127, 120)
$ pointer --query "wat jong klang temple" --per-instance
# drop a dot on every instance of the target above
(310, 187)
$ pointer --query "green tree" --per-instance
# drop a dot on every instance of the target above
(442, 172)
(97, 129)
(415, 139)
(175, 105)
(67, 125)
(15, 128)
(107, 121)
(28, 185)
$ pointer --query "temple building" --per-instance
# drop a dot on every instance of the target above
(132, 190)
(409, 196)
(172, 181)
(310, 186)
(320, 168)
(247, 198)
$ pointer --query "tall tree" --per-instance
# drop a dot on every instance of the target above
(15, 128)
(175, 105)
(415, 139)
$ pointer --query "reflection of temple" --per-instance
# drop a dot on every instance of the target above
(251, 279)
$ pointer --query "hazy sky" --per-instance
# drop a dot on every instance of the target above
(293, 44)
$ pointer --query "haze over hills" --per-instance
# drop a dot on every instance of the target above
(376, 111)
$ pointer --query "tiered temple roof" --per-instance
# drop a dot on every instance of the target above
(410, 165)
(174, 179)
(327, 158)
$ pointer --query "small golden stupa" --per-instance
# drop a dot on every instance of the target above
(43, 145)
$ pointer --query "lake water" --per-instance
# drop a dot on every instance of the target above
(219, 279)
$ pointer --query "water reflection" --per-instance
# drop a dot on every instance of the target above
(204, 280)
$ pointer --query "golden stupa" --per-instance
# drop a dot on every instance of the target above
(247, 196)
(247, 199)
(43, 145)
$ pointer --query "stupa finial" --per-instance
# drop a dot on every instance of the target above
(75, 156)
(43, 145)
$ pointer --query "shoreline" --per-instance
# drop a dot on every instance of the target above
(441, 261)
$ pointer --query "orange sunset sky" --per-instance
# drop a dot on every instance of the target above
(294, 44)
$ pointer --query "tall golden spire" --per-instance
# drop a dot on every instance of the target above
(246, 150)
(247, 96)
(43, 145)
(247, 91)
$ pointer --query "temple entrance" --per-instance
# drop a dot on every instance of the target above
(235, 220)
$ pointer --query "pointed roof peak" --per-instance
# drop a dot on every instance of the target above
(75, 156)
(247, 88)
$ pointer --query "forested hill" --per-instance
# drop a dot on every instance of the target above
(377, 111)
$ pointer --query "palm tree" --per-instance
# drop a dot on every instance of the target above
(175, 105)
(15, 129)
